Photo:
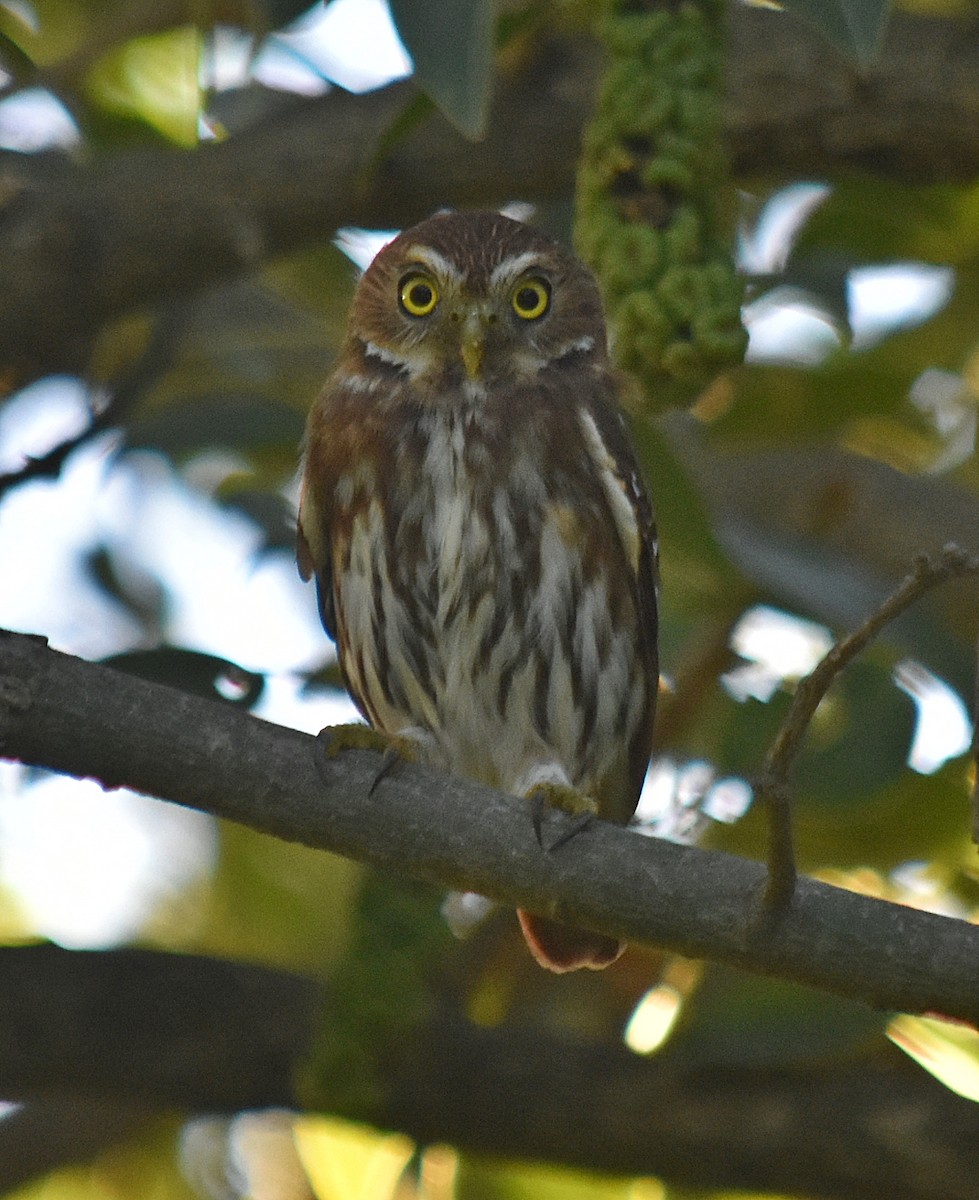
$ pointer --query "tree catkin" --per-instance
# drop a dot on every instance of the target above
(652, 185)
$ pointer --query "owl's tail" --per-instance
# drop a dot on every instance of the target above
(563, 948)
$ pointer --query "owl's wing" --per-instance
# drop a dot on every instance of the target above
(635, 523)
(324, 580)
(314, 553)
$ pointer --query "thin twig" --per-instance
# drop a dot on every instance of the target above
(124, 394)
(927, 572)
(975, 752)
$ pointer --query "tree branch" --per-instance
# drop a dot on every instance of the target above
(84, 1033)
(874, 1129)
(233, 1032)
(87, 720)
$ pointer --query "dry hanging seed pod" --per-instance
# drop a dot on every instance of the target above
(651, 184)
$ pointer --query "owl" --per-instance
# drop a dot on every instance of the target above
(481, 538)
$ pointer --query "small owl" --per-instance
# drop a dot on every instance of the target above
(482, 542)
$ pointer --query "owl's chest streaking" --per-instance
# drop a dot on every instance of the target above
(484, 602)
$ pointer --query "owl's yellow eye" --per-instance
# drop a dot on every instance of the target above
(531, 298)
(418, 294)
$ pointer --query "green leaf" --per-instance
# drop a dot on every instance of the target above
(245, 423)
(270, 511)
(141, 595)
(201, 674)
(947, 1050)
(15, 61)
(855, 26)
(451, 45)
(276, 13)
(155, 79)
(737, 1019)
(857, 743)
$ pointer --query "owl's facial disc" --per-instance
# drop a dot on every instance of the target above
(528, 299)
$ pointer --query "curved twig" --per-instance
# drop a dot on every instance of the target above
(927, 571)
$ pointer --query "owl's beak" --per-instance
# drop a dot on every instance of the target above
(473, 344)
(472, 356)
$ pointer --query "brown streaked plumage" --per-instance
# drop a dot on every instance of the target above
(482, 542)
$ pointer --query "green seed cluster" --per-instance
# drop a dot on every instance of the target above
(651, 184)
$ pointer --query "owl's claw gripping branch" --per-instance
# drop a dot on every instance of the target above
(579, 808)
(537, 817)
(334, 739)
(577, 825)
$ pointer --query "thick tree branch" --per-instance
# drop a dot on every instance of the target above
(82, 242)
(233, 1032)
(115, 1035)
(97, 1043)
(870, 1130)
(86, 720)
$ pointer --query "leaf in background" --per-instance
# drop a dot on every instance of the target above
(855, 26)
(828, 534)
(243, 423)
(737, 1019)
(141, 594)
(819, 277)
(859, 739)
(451, 46)
(346, 1161)
(14, 61)
(260, 340)
(947, 1050)
(484, 1179)
(270, 511)
(275, 13)
(882, 219)
(155, 79)
(200, 674)
(913, 818)
(279, 903)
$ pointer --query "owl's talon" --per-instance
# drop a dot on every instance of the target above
(578, 825)
(574, 804)
(537, 817)
(390, 759)
(321, 755)
(334, 739)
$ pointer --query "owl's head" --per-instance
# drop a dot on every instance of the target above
(473, 299)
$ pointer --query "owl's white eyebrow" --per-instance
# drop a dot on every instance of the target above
(437, 263)
(512, 266)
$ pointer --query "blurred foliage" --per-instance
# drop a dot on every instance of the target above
(140, 1166)
(807, 483)
(451, 47)
(855, 26)
(383, 990)
(202, 674)
(651, 197)
(739, 1020)
(153, 79)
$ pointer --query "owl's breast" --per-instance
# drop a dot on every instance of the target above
(475, 603)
